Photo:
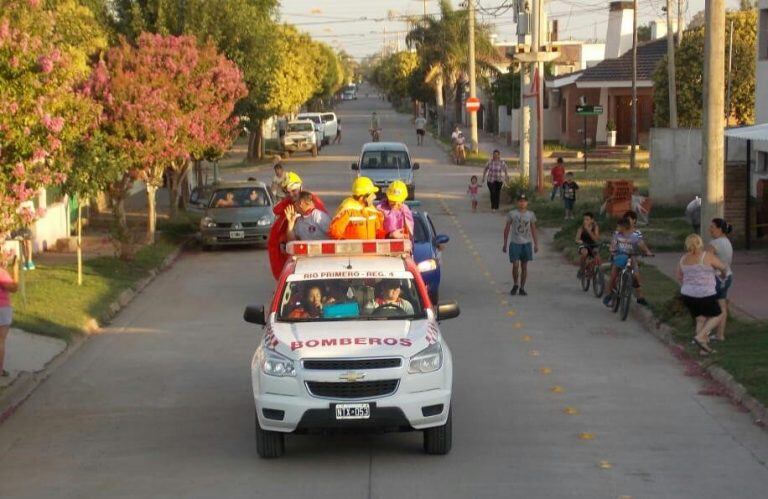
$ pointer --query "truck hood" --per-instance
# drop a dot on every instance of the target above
(388, 175)
(300, 135)
(303, 340)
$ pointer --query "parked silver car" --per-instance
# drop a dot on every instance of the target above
(236, 213)
(385, 162)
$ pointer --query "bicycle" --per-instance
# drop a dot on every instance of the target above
(590, 271)
(375, 134)
(625, 288)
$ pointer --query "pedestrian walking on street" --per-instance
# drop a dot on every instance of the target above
(337, 139)
(495, 174)
(9, 283)
(521, 223)
(472, 190)
(569, 195)
(721, 247)
(558, 177)
(421, 129)
(696, 273)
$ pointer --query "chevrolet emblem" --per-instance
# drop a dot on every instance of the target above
(352, 376)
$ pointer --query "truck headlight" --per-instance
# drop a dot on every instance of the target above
(274, 364)
(428, 360)
(207, 222)
(267, 220)
(427, 265)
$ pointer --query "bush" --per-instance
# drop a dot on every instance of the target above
(516, 186)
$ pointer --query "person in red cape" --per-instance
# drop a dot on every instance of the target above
(292, 185)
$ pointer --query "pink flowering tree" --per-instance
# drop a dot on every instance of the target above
(161, 101)
(41, 115)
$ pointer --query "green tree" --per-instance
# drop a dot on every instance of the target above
(644, 33)
(393, 74)
(689, 67)
(506, 89)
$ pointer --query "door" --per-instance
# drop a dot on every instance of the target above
(623, 119)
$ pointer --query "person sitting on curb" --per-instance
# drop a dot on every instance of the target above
(398, 218)
(357, 217)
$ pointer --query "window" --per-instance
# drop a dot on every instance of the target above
(300, 127)
(385, 160)
(564, 116)
(762, 162)
(762, 51)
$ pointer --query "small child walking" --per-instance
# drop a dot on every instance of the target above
(569, 195)
(472, 190)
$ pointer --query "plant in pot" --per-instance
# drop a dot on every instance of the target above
(611, 133)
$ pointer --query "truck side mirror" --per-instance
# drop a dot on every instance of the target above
(447, 310)
(416, 166)
(254, 314)
(355, 167)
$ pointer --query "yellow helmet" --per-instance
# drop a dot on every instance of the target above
(363, 186)
(291, 181)
(397, 191)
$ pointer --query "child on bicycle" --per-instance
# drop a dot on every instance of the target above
(587, 237)
(625, 243)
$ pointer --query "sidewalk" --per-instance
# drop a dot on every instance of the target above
(750, 275)
(26, 352)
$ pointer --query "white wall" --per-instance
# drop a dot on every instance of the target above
(53, 226)
(591, 54)
(675, 173)
(761, 89)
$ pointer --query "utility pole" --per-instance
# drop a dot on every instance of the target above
(537, 130)
(712, 205)
(472, 84)
(671, 68)
(730, 76)
(524, 132)
(633, 105)
(679, 38)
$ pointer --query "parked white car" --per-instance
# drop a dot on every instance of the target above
(331, 123)
(317, 119)
(301, 136)
(351, 340)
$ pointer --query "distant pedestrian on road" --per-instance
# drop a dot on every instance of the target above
(495, 174)
(8, 284)
(472, 190)
(569, 195)
(421, 129)
(696, 273)
(523, 243)
(721, 247)
(337, 139)
(558, 177)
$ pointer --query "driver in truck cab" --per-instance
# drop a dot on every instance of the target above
(357, 217)
(390, 297)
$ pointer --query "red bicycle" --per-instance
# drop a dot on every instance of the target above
(590, 271)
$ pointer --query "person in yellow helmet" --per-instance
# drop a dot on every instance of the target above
(357, 217)
(398, 218)
(293, 186)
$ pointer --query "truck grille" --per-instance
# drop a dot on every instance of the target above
(353, 364)
(355, 390)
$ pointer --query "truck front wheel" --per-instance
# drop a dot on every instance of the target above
(269, 444)
(438, 440)
(314, 151)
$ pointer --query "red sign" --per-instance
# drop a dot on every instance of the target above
(473, 104)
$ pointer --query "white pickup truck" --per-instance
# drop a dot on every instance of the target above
(301, 136)
(351, 340)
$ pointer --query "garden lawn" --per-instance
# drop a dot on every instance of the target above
(56, 306)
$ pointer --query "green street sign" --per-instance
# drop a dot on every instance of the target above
(589, 110)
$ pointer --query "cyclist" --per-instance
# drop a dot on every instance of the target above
(587, 237)
(625, 242)
(375, 126)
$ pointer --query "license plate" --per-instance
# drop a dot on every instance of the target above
(237, 234)
(353, 411)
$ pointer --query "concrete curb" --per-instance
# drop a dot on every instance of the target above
(734, 390)
(21, 389)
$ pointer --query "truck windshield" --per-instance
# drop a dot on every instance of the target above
(300, 127)
(385, 160)
(313, 118)
(324, 300)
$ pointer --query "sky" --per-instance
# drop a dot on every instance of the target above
(341, 24)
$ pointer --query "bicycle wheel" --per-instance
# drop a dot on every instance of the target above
(626, 295)
(585, 277)
(598, 282)
(617, 295)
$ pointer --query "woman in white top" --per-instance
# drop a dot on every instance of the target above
(696, 272)
(721, 247)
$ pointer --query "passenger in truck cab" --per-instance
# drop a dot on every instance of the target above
(312, 306)
(357, 217)
(398, 219)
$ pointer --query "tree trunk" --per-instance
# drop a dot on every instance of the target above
(178, 198)
(120, 233)
(79, 243)
(440, 103)
(259, 143)
(252, 145)
(173, 189)
(151, 213)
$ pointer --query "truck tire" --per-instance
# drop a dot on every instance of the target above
(438, 440)
(314, 151)
(269, 444)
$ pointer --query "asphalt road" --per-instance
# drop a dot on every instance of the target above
(554, 397)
